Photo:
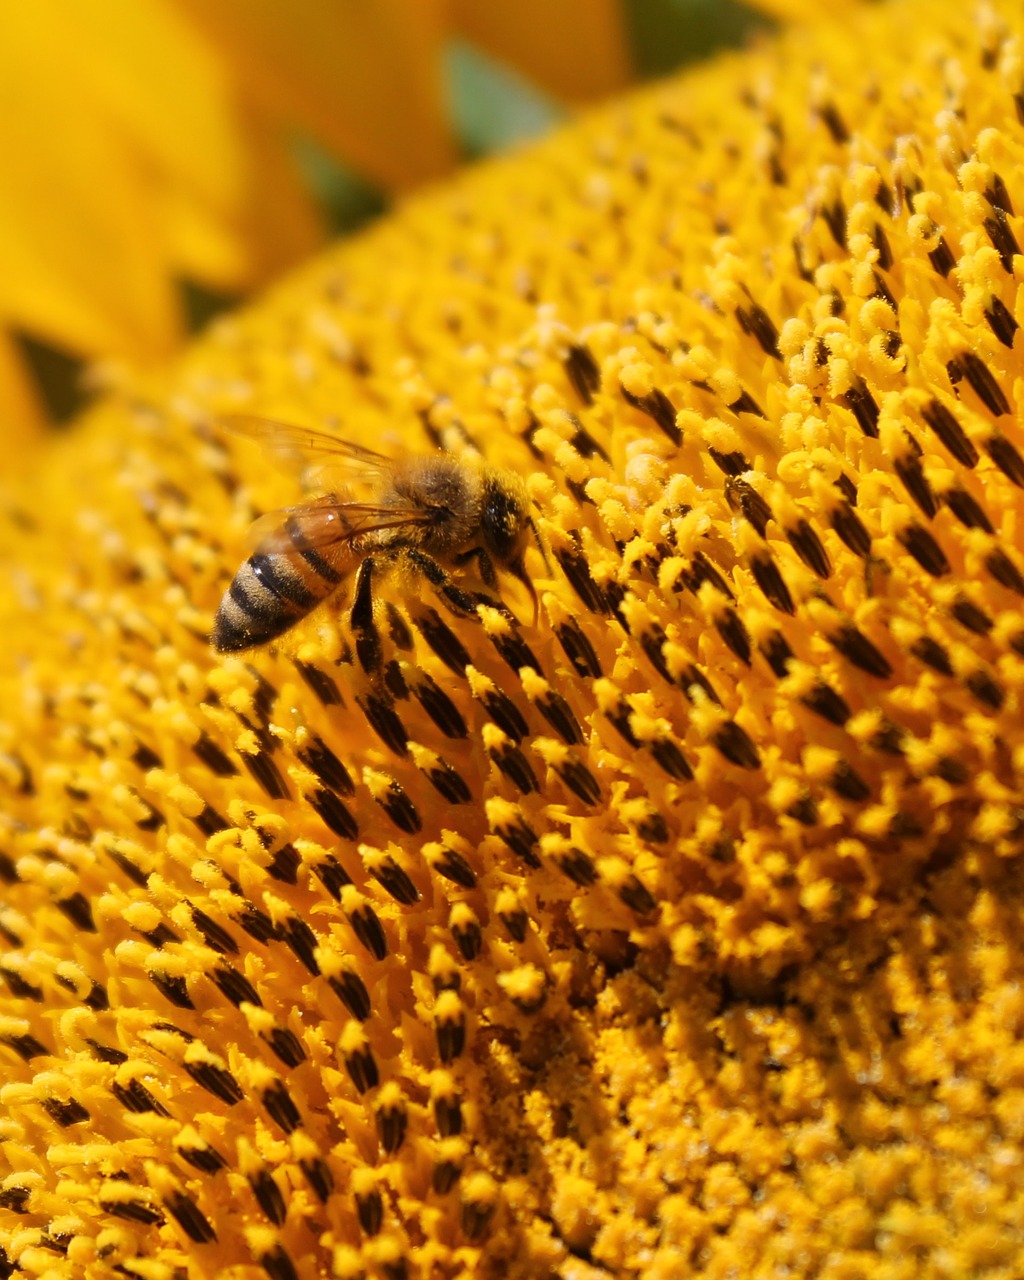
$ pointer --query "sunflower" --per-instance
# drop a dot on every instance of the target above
(164, 156)
(673, 932)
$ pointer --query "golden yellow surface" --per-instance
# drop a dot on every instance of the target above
(710, 961)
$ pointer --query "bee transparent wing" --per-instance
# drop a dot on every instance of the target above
(293, 528)
(326, 524)
(305, 449)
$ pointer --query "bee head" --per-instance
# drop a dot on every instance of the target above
(505, 517)
(506, 525)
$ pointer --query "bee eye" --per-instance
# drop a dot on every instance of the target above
(502, 519)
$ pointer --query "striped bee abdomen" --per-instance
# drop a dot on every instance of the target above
(270, 593)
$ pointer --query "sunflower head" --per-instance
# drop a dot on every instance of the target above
(677, 922)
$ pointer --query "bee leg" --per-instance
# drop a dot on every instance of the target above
(484, 564)
(458, 601)
(368, 643)
(485, 567)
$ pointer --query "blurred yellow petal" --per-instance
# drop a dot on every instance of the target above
(171, 93)
(81, 205)
(151, 142)
(80, 268)
(278, 222)
(128, 165)
(271, 228)
(363, 78)
(165, 89)
(224, 168)
(576, 49)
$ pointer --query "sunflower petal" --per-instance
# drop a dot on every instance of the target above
(90, 281)
(575, 49)
(318, 66)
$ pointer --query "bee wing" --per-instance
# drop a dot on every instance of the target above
(326, 524)
(304, 448)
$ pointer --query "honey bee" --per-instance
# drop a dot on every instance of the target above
(430, 516)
